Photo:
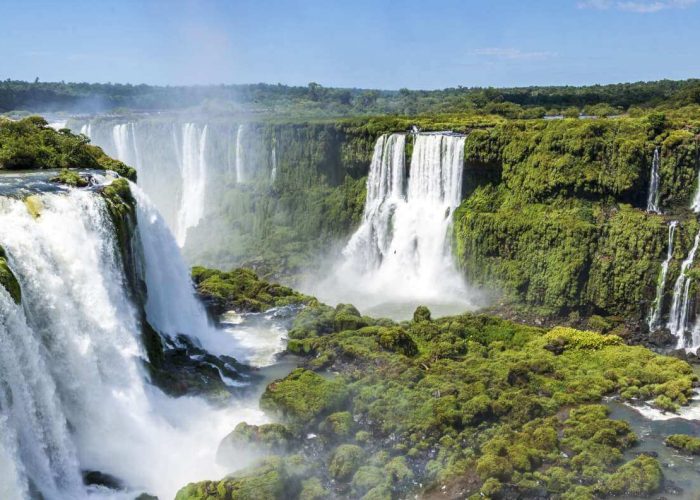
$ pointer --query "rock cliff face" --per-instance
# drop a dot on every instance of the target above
(555, 212)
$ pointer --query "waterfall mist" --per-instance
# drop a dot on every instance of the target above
(400, 257)
(74, 394)
(189, 166)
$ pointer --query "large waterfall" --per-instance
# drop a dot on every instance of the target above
(655, 179)
(194, 180)
(401, 253)
(73, 392)
(172, 160)
(655, 314)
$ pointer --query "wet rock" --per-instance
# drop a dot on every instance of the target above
(660, 338)
(99, 478)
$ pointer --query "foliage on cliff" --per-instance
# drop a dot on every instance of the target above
(555, 210)
(496, 408)
(241, 290)
(30, 144)
(280, 225)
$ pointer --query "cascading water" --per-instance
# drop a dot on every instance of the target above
(678, 317)
(655, 315)
(74, 395)
(385, 191)
(273, 161)
(240, 167)
(86, 129)
(655, 179)
(401, 253)
(183, 147)
(171, 306)
(194, 180)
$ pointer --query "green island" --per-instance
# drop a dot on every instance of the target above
(470, 403)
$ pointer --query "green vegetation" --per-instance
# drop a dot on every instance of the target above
(30, 144)
(241, 290)
(502, 408)
(274, 478)
(303, 396)
(683, 442)
(70, 178)
(7, 278)
(315, 100)
(554, 211)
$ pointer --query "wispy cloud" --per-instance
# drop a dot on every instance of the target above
(638, 6)
(513, 54)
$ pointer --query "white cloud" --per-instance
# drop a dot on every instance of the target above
(513, 54)
(638, 6)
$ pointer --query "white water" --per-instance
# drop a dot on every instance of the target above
(654, 180)
(172, 307)
(176, 173)
(124, 142)
(655, 315)
(695, 205)
(74, 396)
(58, 125)
(194, 180)
(678, 318)
(273, 161)
(86, 129)
(240, 167)
(401, 253)
(259, 336)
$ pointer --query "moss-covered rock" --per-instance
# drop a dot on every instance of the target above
(270, 480)
(641, 476)
(303, 396)
(347, 317)
(338, 425)
(312, 489)
(241, 290)
(266, 439)
(685, 443)
(70, 178)
(367, 478)
(8, 279)
(346, 459)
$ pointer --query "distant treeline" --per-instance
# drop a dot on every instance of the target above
(315, 99)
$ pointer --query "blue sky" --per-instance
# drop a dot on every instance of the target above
(419, 44)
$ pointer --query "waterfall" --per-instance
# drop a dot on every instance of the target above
(401, 252)
(171, 306)
(73, 395)
(86, 129)
(653, 199)
(385, 190)
(678, 318)
(240, 172)
(194, 179)
(122, 143)
(273, 161)
(655, 315)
